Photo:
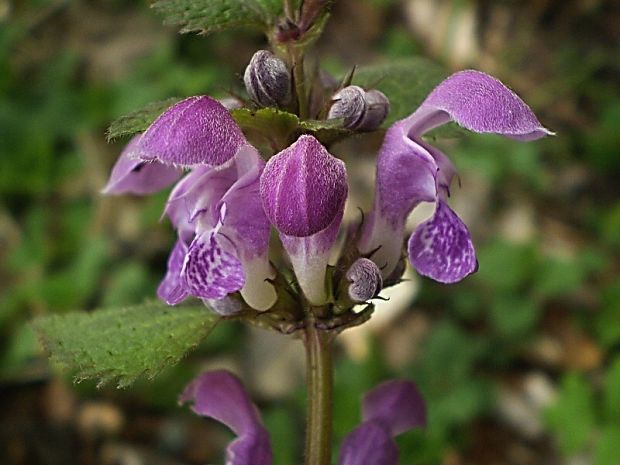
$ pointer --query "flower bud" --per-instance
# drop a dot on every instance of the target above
(350, 104)
(360, 109)
(365, 280)
(378, 107)
(267, 80)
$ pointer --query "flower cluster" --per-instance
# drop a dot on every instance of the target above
(224, 207)
(392, 408)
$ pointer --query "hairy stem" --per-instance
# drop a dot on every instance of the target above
(319, 380)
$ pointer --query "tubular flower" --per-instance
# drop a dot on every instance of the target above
(390, 409)
(303, 190)
(223, 233)
(410, 171)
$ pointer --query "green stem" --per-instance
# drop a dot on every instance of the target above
(297, 58)
(319, 380)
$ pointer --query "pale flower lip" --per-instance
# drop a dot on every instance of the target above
(392, 408)
(410, 171)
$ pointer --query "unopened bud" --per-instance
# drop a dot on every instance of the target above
(267, 80)
(359, 109)
(378, 107)
(349, 104)
(364, 278)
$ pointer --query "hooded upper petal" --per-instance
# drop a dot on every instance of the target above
(441, 248)
(197, 130)
(480, 103)
(390, 409)
(397, 404)
(221, 396)
(303, 188)
(133, 176)
(369, 444)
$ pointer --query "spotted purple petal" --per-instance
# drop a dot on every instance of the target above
(172, 288)
(397, 404)
(303, 188)
(369, 444)
(133, 176)
(221, 396)
(209, 271)
(480, 103)
(441, 248)
(197, 130)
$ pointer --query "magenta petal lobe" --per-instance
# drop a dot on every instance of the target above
(303, 188)
(172, 288)
(209, 271)
(397, 404)
(132, 176)
(441, 248)
(480, 103)
(197, 130)
(221, 396)
(369, 444)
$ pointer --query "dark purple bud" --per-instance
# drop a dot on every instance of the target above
(365, 280)
(378, 107)
(267, 80)
(349, 104)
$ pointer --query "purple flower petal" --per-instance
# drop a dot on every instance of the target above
(197, 130)
(369, 444)
(172, 289)
(303, 188)
(221, 396)
(397, 404)
(441, 248)
(133, 176)
(406, 176)
(480, 103)
(209, 271)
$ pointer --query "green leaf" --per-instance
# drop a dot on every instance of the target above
(275, 125)
(611, 396)
(139, 120)
(572, 417)
(607, 451)
(280, 128)
(405, 82)
(122, 344)
(206, 16)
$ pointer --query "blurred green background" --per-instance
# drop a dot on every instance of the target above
(520, 364)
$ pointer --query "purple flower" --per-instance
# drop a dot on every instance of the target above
(134, 176)
(303, 190)
(223, 235)
(221, 396)
(410, 171)
(390, 409)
